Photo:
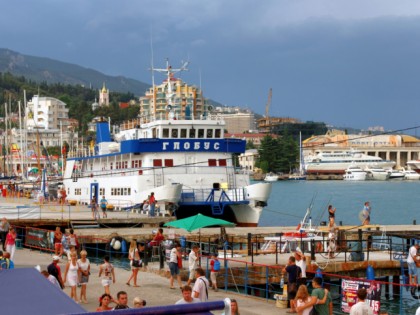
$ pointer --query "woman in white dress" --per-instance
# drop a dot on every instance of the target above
(71, 275)
(84, 271)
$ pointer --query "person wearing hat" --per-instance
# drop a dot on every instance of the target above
(301, 262)
(54, 270)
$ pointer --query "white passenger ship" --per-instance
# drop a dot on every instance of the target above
(338, 162)
(187, 163)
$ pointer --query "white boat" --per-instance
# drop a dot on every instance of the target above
(354, 173)
(338, 162)
(410, 174)
(414, 165)
(184, 159)
(376, 173)
(396, 174)
(271, 177)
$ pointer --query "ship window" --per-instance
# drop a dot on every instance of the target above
(222, 162)
(174, 133)
(169, 162)
(110, 165)
(78, 191)
(157, 163)
(183, 133)
(209, 133)
(212, 162)
(200, 133)
(217, 133)
(136, 163)
(102, 191)
(192, 133)
(165, 133)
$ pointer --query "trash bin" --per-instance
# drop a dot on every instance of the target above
(18, 243)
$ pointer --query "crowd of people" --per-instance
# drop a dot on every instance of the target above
(76, 273)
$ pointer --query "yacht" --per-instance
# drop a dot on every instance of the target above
(376, 173)
(354, 173)
(414, 165)
(410, 174)
(271, 177)
(396, 174)
(337, 162)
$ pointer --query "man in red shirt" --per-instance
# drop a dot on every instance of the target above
(152, 204)
(158, 238)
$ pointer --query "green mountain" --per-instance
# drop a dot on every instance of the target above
(51, 71)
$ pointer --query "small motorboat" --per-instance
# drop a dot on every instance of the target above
(354, 173)
(396, 174)
(271, 177)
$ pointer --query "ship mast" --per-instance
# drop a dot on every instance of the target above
(170, 91)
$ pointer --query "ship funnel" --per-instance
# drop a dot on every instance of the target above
(102, 132)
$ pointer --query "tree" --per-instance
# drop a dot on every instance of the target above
(278, 154)
(250, 145)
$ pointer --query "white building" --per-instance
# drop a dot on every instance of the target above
(46, 113)
(247, 159)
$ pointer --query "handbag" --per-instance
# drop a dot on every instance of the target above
(137, 263)
(179, 262)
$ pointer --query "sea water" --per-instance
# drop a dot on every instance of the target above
(392, 202)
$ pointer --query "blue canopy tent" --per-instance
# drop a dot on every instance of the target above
(28, 292)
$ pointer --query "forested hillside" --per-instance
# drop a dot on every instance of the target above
(78, 99)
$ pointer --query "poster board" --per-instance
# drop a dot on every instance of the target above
(349, 294)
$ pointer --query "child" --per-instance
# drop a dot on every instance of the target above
(215, 268)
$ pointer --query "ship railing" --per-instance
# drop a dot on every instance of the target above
(202, 171)
(216, 195)
(137, 122)
(239, 274)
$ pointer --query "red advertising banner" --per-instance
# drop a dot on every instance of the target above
(349, 293)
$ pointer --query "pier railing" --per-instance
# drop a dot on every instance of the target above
(242, 275)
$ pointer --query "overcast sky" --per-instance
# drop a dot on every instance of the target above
(351, 63)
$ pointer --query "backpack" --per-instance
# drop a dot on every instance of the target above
(216, 265)
(4, 263)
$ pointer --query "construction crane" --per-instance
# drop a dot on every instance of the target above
(267, 106)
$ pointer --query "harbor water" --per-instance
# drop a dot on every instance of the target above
(392, 201)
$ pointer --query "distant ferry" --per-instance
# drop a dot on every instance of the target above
(185, 161)
(338, 162)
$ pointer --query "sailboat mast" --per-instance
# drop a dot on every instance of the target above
(6, 173)
(21, 141)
